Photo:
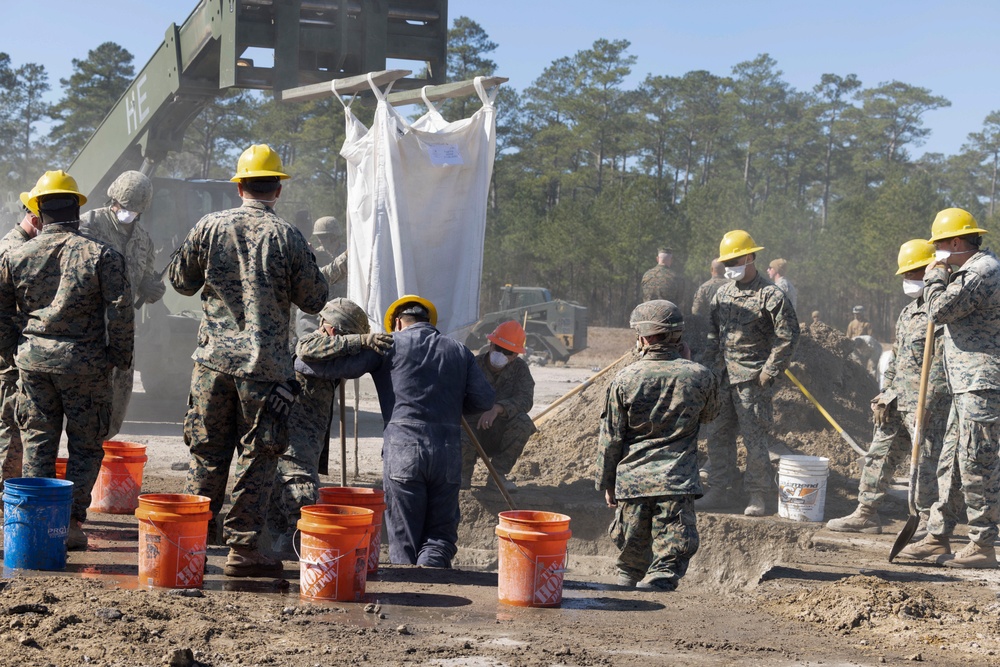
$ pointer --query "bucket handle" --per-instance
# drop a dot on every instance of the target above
(322, 562)
(15, 523)
(177, 546)
(563, 570)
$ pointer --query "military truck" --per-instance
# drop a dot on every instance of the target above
(298, 45)
(555, 329)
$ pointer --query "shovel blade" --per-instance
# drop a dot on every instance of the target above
(904, 536)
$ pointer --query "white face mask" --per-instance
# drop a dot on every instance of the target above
(126, 217)
(913, 288)
(942, 255)
(736, 272)
(498, 359)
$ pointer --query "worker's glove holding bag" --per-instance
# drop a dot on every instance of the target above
(766, 379)
(152, 289)
(880, 413)
(282, 398)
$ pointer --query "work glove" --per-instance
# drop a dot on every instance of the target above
(376, 342)
(765, 379)
(152, 289)
(880, 413)
(282, 397)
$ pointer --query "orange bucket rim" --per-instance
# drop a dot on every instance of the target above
(327, 509)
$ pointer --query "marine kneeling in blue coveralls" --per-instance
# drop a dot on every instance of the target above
(425, 383)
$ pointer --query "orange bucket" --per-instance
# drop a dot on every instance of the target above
(532, 559)
(61, 468)
(359, 496)
(333, 564)
(120, 481)
(173, 536)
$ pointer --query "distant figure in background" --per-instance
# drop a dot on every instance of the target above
(697, 325)
(867, 352)
(331, 257)
(859, 326)
(662, 282)
(816, 317)
(776, 271)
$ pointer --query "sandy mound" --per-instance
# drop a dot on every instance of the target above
(564, 449)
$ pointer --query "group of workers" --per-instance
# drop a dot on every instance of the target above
(69, 285)
(647, 452)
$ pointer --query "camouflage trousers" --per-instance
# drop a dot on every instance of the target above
(892, 445)
(297, 481)
(745, 410)
(121, 394)
(226, 415)
(11, 449)
(657, 537)
(970, 467)
(503, 443)
(43, 401)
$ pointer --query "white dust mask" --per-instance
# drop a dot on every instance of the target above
(498, 359)
(736, 272)
(913, 288)
(126, 217)
(941, 255)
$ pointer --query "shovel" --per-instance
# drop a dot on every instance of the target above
(494, 474)
(912, 521)
(833, 422)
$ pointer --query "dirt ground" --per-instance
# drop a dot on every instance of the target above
(765, 591)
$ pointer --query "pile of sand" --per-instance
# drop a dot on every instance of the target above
(564, 450)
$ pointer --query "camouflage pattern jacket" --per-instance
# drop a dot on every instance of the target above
(63, 287)
(513, 384)
(661, 282)
(902, 377)
(648, 443)
(136, 247)
(753, 328)
(702, 305)
(968, 304)
(336, 276)
(786, 286)
(251, 267)
(13, 239)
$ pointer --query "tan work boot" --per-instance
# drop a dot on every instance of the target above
(76, 540)
(756, 506)
(972, 556)
(862, 520)
(248, 562)
(717, 497)
(930, 547)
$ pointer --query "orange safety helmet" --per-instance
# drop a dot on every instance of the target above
(509, 336)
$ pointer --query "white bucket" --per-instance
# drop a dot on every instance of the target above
(802, 487)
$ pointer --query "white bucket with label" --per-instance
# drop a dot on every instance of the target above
(802, 487)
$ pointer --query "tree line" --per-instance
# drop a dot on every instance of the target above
(592, 174)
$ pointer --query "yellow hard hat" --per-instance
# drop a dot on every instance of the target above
(736, 244)
(54, 183)
(259, 161)
(25, 198)
(410, 299)
(953, 222)
(914, 254)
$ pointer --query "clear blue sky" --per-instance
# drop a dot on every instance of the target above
(950, 48)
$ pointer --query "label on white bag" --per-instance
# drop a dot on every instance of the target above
(444, 154)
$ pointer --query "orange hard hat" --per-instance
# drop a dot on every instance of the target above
(509, 336)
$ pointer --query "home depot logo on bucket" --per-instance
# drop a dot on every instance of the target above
(319, 571)
(549, 572)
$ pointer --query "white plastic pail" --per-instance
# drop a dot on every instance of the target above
(802, 487)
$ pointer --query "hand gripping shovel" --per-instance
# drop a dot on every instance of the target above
(912, 521)
(494, 474)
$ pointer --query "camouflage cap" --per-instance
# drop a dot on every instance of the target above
(345, 315)
(133, 190)
(327, 225)
(656, 317)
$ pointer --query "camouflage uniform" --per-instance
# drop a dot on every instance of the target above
(251, 267)
(968, 304)
(11, 449)
(858, 327)
(752, 329)
(57, 291)
(135, 245)
(297, 482)
(648, 454)
(696, 326)
(504, 441)
(335, 273)
(662, 282)
(786, 286)
(893, 440)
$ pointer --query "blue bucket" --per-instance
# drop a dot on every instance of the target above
(36, 521)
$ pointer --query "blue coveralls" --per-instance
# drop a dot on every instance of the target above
(425, 383)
